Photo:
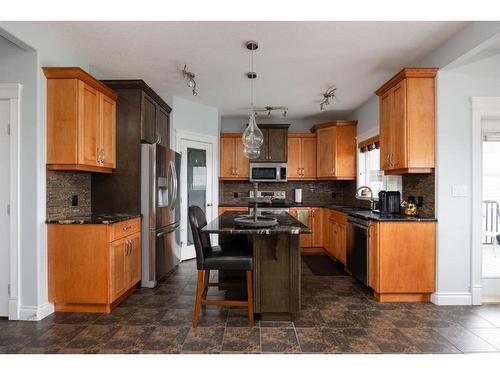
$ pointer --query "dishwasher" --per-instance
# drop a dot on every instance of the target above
(358, 231)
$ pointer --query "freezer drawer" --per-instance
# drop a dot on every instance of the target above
(166, 250)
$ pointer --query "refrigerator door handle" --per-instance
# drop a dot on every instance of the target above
(168, 230)
(173, 175)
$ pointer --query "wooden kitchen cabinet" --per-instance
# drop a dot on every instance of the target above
(233, 162)
(232, 209)
(275, 146)
(314, 222)
(407, 122)
(93, 267)
(336, 150)
(301, 156)
(335, 235)
(81, 122)
(155, 121)
(402, 261)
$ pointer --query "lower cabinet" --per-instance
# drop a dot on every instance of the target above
(232, 209)
(402, 261)
(93, 267)
(313, 218)
(335, 234)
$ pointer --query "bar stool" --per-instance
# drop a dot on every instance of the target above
(209, 258)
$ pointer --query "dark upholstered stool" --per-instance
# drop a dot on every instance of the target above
(210, 257)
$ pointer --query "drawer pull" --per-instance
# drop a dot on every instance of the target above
(126, 228)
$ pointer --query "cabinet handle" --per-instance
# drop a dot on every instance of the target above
(236, 171)
(98, 155)
(302, 171)
(103, 157)
(126, 228)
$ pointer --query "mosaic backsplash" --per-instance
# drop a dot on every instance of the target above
(60, 188)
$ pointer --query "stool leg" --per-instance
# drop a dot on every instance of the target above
(199, 292)
(250, 298)
(205, 285)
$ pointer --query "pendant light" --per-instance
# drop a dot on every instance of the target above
(252, 137)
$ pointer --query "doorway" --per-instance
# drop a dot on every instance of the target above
(490, 277)
(4, 206)
(198, 183)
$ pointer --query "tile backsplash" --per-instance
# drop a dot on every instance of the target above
(313, 192)
(421, 184)
(60, 188)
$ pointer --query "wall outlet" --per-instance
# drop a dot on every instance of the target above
(333, 194)
(236, 194)
(420, 201)
(74, 200)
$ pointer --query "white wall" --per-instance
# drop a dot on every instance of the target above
(368, 118)
(47, 50)
(19, 66)
(194, 117)
(455, 87)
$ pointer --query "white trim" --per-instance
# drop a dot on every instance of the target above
(212, 140)
(12, 92)
(451, 298)
(36, 312)
(482, 107)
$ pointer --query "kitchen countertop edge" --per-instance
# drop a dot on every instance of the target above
(97, 219)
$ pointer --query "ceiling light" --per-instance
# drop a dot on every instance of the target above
(252, 138)
(189, 76)
(330, 93)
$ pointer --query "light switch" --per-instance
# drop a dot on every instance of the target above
(459, 191)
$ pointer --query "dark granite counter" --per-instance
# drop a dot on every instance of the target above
(366, 214)
(287, 204)
(287, 224)
(93, 219)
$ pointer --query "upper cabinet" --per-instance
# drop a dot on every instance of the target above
(407, 115)
(81, 122)
(336, 150)
(301, 156)
(233, 163)
(275, 146)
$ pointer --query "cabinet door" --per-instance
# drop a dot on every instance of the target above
(240, 160)
(227, 165)
(332, 237)
(294, 158)
(119, 268)
(163, 126)
(108, 132)
(341, 242)
(88, 124)
(385, 130)
(148, 119)
(325, 152)
(308, 157)
(316, 226)
(398, 139)
(134, 259)
(277, 145)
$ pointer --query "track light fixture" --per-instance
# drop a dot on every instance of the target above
(189, 77)
(329, 94)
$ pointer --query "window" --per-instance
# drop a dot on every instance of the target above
(369, 173)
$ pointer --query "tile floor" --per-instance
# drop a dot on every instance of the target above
(338, 316)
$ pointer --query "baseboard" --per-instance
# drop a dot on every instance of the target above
(451, 298)
(36, 312)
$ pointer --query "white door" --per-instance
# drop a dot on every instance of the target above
(4, 203)
(196, 188)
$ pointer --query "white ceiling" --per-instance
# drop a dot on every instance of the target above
(295, 62)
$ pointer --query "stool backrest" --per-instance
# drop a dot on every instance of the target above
(198, 220)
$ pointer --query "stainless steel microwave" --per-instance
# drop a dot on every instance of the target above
(268, 172)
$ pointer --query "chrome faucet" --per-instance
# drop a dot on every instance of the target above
(364, 196)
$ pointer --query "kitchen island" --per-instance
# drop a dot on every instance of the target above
(276, 261)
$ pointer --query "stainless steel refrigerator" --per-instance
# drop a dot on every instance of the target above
(160, 208)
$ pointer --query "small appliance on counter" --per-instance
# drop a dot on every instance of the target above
(389, 202)
(297, 196)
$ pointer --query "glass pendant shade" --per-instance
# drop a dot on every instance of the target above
(252, 137)
(251, 153)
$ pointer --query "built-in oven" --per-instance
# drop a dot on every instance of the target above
(268, 172)
(358, 233)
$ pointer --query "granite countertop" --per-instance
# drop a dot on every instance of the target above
(367, 214)
(288, 204)
(225, 224)
(93, 219)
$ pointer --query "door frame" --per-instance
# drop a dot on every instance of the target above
(482, 108)
(12, 92)
(213, 141)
